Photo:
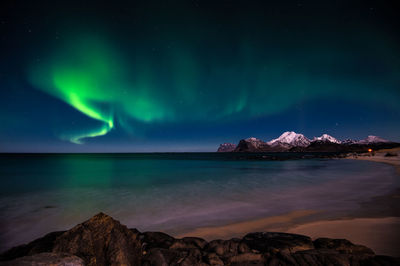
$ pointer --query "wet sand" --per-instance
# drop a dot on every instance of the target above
(379, 234)
(242, 228)
(377, 230)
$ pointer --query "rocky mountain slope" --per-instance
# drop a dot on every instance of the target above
(104, 241)
(226, 147)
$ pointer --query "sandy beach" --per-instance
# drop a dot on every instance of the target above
(380, 234)
(379, 230)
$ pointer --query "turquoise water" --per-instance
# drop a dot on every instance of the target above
(174, 192)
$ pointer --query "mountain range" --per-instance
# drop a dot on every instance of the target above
(294, 142)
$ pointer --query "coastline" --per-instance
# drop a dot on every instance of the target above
(379, 157)
(377, 227)
(380, 234)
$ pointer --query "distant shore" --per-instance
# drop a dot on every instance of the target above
(379, 233)
(379, 157)
(374, 227)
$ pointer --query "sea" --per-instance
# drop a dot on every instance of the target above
(175, 192)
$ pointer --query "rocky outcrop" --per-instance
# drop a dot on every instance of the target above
(251, 145)
(257, 145)
(270, 242)
(40, 245)
(104, 241)
(226, 147)
(99, 241)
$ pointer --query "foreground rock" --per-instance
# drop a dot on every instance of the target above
(104, 241)
(98, 241)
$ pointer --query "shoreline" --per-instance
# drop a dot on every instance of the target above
(380, 231)
(379, 157)
(380, 234)
(375, 224)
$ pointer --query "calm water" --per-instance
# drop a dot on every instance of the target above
(173, 192)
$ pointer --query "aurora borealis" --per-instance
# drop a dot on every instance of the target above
(188, 75)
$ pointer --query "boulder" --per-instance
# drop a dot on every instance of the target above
(247, 259)
(342, 246)
(101, 241)
(189, 242)
(43, 244)
(224, 248)
(272, 242)
(151, 240)
(213, 259)
(164, 257)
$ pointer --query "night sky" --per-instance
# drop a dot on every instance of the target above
(130, 76)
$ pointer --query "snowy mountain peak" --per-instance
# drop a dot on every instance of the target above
(372, 139)
(327, 138)
(252, 139)
(292, 138)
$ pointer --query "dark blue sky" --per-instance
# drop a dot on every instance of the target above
(188, 75)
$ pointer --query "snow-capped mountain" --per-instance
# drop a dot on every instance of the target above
(291, 138)
(327, 138)
(372, 139)
(349, 141)
(293, 142)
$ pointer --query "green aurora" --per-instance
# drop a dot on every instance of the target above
(108, 85)
(188, 75)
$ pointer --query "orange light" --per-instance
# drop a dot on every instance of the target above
(369, 150)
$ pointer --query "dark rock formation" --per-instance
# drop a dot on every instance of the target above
(101, 241)
(250, 145)
(104, 241)
(98, 241)
(257, 145)
(267, 242)
(43, 244)
(226, 147)
(342, 246)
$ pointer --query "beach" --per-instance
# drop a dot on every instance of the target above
(207, 195)
(376, 224)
